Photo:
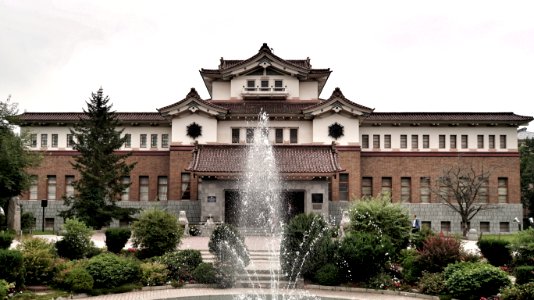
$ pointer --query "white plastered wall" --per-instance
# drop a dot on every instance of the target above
(208, 124)
(308, 90)
(304, 130)
(220, 90)
(434, 132)
(350, 133)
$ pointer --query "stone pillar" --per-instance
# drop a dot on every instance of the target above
(13, 215)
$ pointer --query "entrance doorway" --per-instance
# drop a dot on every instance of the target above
(293, 204)
(231, 207)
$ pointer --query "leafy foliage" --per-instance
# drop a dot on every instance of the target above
(6, 238)
(181, 264)
(156, 232)
(474, 280)
(39, 260)
(411, 270)
(109, 270)
(519, 292)
(524, 274)
(418, 238)
(228, 245)
(205, 273)
(380, 217)
(12, 269)
(526, 152)
(496, 251)
(432, 284)
(153, 274)
(439, 251)
(116, 238)
(76, 242)
(304, 246)
(523, 248)
(328, 275)
(101, 168)
(27, 221)
(78, 280)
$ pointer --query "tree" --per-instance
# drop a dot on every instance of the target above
(15, 157)
(156, 232)
(101, 168)
(526, 151)
(464, 189)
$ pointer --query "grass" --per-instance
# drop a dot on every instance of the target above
(40, 296)
(508, 237)
(39, 232)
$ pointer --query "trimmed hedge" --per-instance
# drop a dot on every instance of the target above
(181, 264)
(496, 251)
(205, 273)
(109, 270)
(524, 274)
(474, 280)
(328, 275)
(116, 238)
(12, 266)
(6, 238)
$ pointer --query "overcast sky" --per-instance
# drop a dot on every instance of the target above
(388, 55)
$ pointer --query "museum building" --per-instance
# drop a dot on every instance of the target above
(190, 154)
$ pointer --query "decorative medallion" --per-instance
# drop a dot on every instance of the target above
(335, 130)
(194, 130)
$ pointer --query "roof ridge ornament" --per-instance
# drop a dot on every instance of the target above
(193, 94)
(265, 48)
(337, 93)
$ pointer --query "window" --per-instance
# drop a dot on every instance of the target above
(464, 141)
(250, 135)
(143, 188)
(343, 187)
(264, 86)
(162, 188)
(49, 224)
(51, 187)
(504, 226)
(386, 185)
(142, 140)
(44, 140)
(153, 140)
(442, 141)
(125, 195)
(446, 226)
(293, 135)
(406, 186)
(502, 141)
(165, 140)
(480, 141)
(503, 189)
(376, 141)
(279, 135)
(452, 140)
(70, 140)
(251, 85)
(484, 226)
(127, 140)
(426, 141)
(33, 187)
(186, 185)
(365, 141)
(415, 141)
(483, 192)
(69, 186)
(443, 189)
(54, 140)
(387, 141)
(491, 141)
(33, 140)
(403, 141)
(367, 187)
(424, 189)
(235, 135)
(278, 86)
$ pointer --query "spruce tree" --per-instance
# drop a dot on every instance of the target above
(101, 168)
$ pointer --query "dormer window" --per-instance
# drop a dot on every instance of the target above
(278, 86)
(264, 86)
(251, 85)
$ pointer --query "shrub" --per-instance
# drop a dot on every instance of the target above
(418, 238)
(181, 264)
(12, 266)
(439, 251)
(432, 284)
(39, 260)
(109, 270)
(228, 246)
(78, 280)
(153, 274)
(224, 274)
(6, 238)
(155, 233)
(411, 271)
(496, 251)
(519, 292)
(523, 248)
(205, 273)
(27, 221)
(304, 246)
(76, 242)
(4, 289)
(379, 216)
(328, 275)
(194, 230)
(524, 274)
(116, 238)
(363, 255)
(474, 280)
(383, 281)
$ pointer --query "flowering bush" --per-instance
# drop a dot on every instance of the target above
(153, 274)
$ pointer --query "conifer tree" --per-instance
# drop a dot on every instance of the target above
(101, 168)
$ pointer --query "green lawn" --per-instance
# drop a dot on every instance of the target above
(508, 237)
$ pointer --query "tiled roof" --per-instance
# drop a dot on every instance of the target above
(272, 107)
(193, 94)
(75, 116)
(291, 159)
(337, 94)
(446, 116)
